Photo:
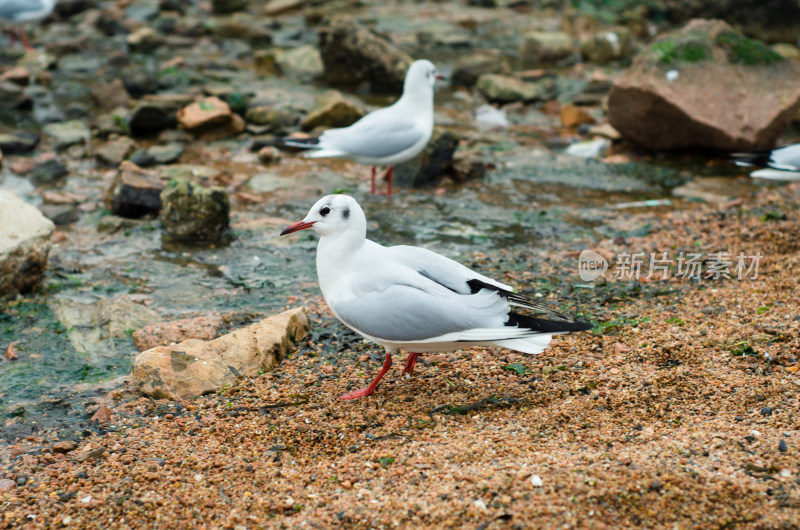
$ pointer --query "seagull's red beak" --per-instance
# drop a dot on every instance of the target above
(302, 225)
(440, 77)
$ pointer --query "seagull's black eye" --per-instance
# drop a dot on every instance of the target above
(324, 211)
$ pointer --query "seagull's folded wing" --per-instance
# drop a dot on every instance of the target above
(11, 8)
(377, 135)
(404, 313)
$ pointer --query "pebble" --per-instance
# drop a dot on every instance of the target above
(64, 446)
(6, 484)
(766, 411)
(536, 481)
(782, 446)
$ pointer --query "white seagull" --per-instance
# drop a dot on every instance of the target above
(386, 136)
(782, 163)
(19, 11)
(413, 299)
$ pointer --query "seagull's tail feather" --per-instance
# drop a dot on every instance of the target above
(300, 143)
(752, 158)
(531, 345)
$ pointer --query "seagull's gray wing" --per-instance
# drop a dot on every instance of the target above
(379, 134)
(10, 9)
(404, 313)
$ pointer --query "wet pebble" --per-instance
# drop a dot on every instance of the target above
(766, 411)
(782, 446)
(48, 172)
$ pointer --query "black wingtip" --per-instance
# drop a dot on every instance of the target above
(541, 325)
(752, 158)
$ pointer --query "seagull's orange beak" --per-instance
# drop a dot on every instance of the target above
(439, 77)
(302, 225)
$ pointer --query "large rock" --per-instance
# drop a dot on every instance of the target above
(195, 367)
(191, 211)
(432, 164)
(353, 55)
(303, 63)
(166, 333)
(706, 86)
(545, 47)
(332, 110)
(24, 244)
(606, 46)
(135, 192)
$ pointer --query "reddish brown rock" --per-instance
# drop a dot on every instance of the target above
(166, 333)
(11, 352)
(195, 367)
(205, 114)
(64, 446)
(102, 415)
(572, 116)
(705, 86)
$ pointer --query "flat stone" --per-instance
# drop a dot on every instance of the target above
(64, 446)
(19, 143)
(195, 367)
(545, 46)
(167, 333)
(115, 151)
(469, 68)
(303, 63)
(205, 114)
(111, 95)
(24, 244)
(506, 89)
(68, 133)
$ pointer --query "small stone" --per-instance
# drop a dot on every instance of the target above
(536, 481)
(18, 143)
(269, 154)
(67, 133)
(469, 68)
(656, 485)
(134, 192)
(303, 63)
(144, 40)
(48, 172)
(111, 95)
(332, 109)
(506, 89)
(193, 212)
(205, 114)
(102, 415)
(222, 7)
(166, 154)
(6, 484)
(11, 352)
(766, 411)
(149, 117)
(115, 151)
(545, 47)
(572, 116)
(93, 454)
(620, 348)
(782, 447)
(64, 446)
(60, 214)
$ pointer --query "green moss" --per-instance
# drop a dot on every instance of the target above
(668, 52)
(748, 51)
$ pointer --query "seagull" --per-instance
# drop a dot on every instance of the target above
(413, 299)
(782, 163)
(18, 11)
(386, 136)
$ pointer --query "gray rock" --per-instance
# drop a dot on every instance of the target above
(115, 151)
(78, 63)
(469, 68)
(12, 96)
(431, 165)
(134, 192)
(353, 55)
(332, 109)
(606, 46)
(505, 89)
(545, 47)
(19, 143)
(142, 158)
(193, 212)
(166, 154)
(303, 63)
(222, 7)
(144, 40)
(60, 214)
(48, 172)
(67, 133)
(24, 244)
(275, 120)
(269, 154)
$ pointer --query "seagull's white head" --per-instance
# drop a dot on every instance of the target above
(421, 77)
(333, 214)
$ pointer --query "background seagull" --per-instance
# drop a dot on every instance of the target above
(386, 136)
(19, 11)
(410, 298)
(782, 163)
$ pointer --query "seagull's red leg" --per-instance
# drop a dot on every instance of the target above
(24, 38)
(369, 390)
(373, 180)
(389, 176)
(410, 362)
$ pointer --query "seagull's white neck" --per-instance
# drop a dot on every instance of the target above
(420, 98)
(336, 250)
